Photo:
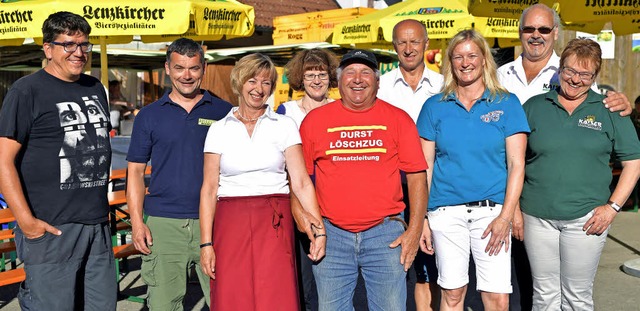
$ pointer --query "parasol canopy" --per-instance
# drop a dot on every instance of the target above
(591, 15)
(116, 21)
(442, 18)
(312, 26)
(503, 9)
(585, 15)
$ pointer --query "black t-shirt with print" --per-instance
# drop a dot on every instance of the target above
(64, 161)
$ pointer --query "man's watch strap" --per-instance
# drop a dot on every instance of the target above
(615, 206)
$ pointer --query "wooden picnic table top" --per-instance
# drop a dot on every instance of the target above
(6, 216)
(117, 197)
(121, 173)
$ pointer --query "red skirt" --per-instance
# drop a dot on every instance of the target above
(255, 255)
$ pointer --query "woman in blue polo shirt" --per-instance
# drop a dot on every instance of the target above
(474, 139)
(566, 201)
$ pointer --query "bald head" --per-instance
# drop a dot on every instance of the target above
(412, 24)
(410, 40)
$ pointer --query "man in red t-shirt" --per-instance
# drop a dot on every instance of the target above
(357, 147)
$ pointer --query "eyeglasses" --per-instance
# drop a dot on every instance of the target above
(71, 47)
(584, 76)
(542, 30)
(311, 76)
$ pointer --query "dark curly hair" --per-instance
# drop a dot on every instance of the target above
(313, 59)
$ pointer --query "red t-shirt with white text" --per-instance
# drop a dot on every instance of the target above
(357, 157)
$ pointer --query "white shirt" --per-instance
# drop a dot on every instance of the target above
(395, 90)
(252, 165)
(293, 111)
(513, 78)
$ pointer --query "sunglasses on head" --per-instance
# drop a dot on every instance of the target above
(543, 30)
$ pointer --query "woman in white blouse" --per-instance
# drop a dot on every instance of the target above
(314, 72)
(245, 217)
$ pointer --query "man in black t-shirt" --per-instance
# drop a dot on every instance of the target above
(55, 157)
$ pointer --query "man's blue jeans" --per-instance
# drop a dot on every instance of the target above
(368, 251)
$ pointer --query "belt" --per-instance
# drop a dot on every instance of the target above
(481, 203)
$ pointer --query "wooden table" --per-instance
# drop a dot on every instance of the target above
(122, 173)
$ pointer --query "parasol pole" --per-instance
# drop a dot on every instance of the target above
(104, 64)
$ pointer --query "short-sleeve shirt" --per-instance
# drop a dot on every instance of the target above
(65, 156)
(567, 171)
(357, 157)
(291, 109)
(252, 165)
(513, 78)
(396, 91)
(470, 156)
(172, 139)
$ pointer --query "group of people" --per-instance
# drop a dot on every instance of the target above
(411, 164)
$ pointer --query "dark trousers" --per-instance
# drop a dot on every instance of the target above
(72, 271)
(307, 283)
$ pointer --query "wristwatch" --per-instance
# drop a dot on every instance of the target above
(615, 206)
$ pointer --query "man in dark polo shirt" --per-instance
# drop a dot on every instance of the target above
(170, 133)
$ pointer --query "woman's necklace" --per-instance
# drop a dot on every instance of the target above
(247, 119)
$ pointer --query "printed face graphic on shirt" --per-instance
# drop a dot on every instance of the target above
(83, 161)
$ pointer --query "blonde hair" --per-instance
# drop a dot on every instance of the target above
(249, 67)
(489, 71)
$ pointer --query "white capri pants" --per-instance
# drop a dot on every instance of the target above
(563, 260)
(456, 232)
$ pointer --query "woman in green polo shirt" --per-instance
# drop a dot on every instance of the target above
(566, 202)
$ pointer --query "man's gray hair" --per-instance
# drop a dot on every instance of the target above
(556, 17)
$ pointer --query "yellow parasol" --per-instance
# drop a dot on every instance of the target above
(312, 26)
(587, 16)
(119, 19)
(497, 27)
(116, 21)
(503, 9)
(443, 19)
(211, 20)
(591, 15)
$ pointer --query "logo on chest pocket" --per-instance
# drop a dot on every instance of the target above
(493, 116)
